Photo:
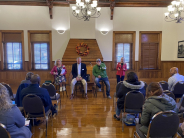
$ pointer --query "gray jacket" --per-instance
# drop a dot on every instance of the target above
(153, 105)
(14, 122)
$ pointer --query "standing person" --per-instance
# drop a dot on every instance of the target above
(175, 77)
(11, 117)
(79, 74)
(59, 71)
(121, 68)
(99, 71)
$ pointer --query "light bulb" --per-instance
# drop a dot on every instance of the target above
(78, 1)
(177, 3)
(81, 4)
(95, 5)
(166, 14)
(170, 6)
(98, 9)
(92, 5)
(77, 11)
(89, 12)
(176, 15)
(173, 2)
(87, 1)
(181, 0)
(172, 9)
(94, 2)
(74, 8)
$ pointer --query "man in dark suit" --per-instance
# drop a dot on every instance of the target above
(34, 88)
(79, 74)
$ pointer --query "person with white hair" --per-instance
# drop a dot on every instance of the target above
(79, 74)
(28, 78)
(11, 117)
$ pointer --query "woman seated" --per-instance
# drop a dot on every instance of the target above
(11, 117)
(59, 71)
(130, 84)
(156, 101)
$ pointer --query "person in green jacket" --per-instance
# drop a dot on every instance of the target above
(156, 101)
(99, 71)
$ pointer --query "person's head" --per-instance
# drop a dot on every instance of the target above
(78, 60)
(28, 75)
(35, 79)
(98, 62)
(5, 101)
(122, 60)
(57, 62)
(173, 70)
(154, 89)
(132, 77)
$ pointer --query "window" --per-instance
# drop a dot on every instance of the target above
(12, 55)
(41, 56)
(124, 46)
(40, 46)
(150, 50)
(124, 50)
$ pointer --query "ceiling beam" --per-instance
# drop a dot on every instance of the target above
(100, 3)
(112, 4)
(50, 5)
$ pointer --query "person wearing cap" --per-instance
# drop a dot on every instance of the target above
(79, 74)
(99, 71)
(28, 78)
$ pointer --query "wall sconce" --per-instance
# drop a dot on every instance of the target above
(104, 32)
(61, 31)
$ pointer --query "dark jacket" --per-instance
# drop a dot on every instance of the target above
(125, 88)
(83, 71)
(41, 92)
(14, 122)
(153, 105)
(18, 99)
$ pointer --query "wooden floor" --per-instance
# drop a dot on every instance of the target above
(81, 118)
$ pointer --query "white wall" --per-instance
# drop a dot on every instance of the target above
(125, 19)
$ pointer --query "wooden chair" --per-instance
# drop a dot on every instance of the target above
(95, 88)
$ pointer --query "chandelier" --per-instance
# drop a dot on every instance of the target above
(175, 11)
(86, 10)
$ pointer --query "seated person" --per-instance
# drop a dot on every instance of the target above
(175, 77)
(156, 101)
(132, 83)
(59, 72)
(99, 71)
(34, 88)
(28, 78)
(79, 74)
(11, 117)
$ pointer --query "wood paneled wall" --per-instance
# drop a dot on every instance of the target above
(15, 77)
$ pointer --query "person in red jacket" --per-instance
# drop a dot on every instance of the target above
(121, 68)
(59, 71)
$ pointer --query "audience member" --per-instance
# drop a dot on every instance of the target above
(130, 84)
(59, 71)
(11, 117)
(34, 88)
(156, 101)
(175, 77)
(28, 78)
(79, 74)
(121, 68)
(99, 71)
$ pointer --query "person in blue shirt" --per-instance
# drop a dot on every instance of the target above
(34, 88)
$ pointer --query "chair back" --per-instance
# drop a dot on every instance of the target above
(4, 133)
(179, 88)
(134, 100)
(9, 90)
(163, 124)
(33, 104)
(181, 103)
(145, 85)
(164, 85)
(169, 94)
(50, 88)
